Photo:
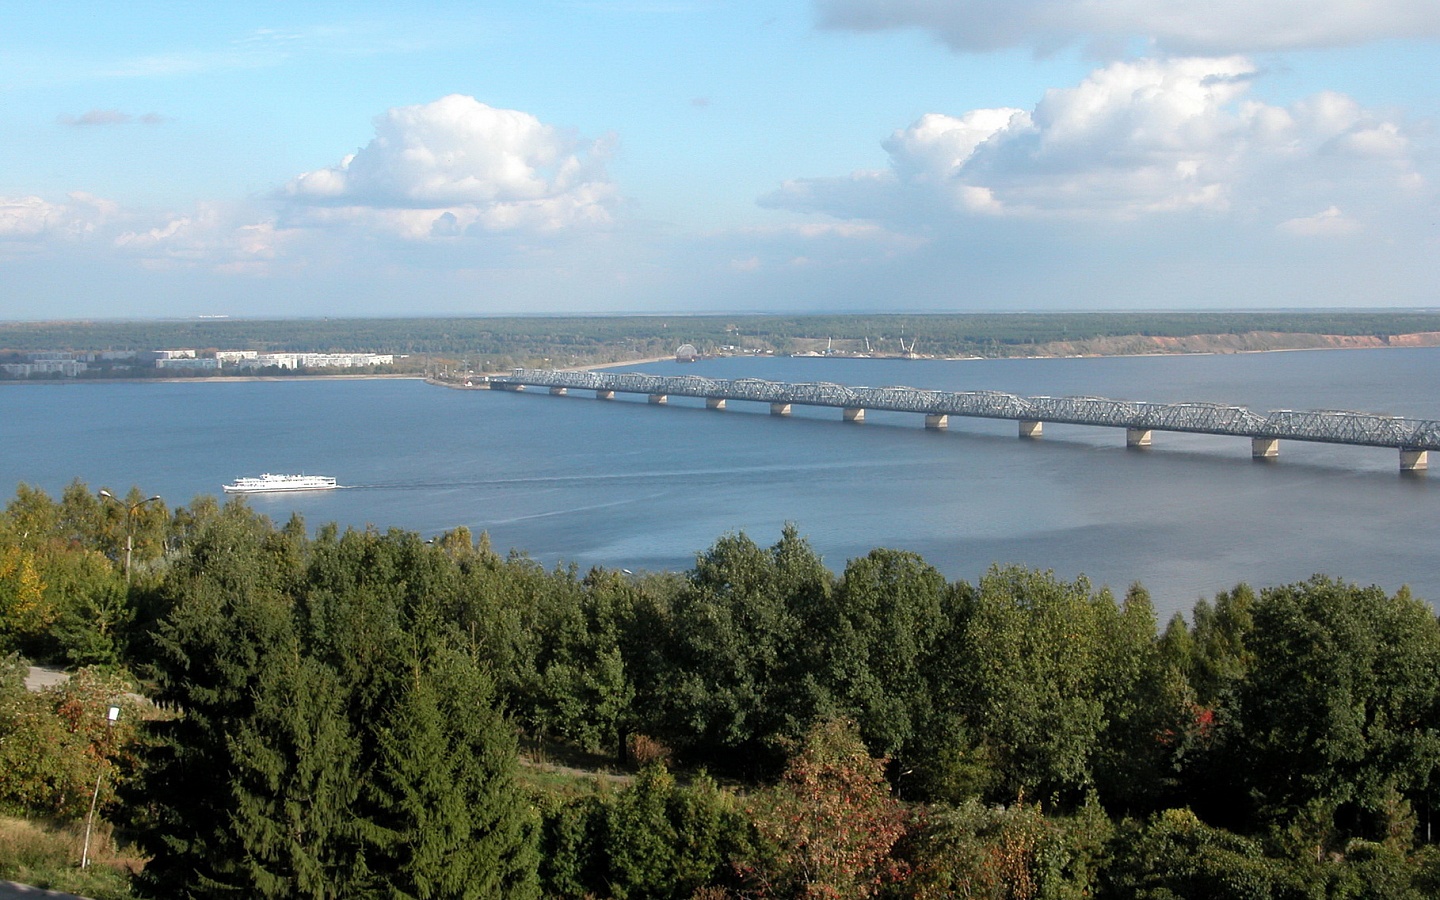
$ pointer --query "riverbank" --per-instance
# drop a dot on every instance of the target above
(470, 386)
(222, 379)
(1118, 346)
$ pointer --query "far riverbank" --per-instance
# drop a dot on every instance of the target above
(236, 379)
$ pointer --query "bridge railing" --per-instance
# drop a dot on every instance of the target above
(1342, 427)
(1326, 426)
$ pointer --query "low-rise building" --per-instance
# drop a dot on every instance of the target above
(67, 367)
(203, 364)
(157, 355)
(315, 360)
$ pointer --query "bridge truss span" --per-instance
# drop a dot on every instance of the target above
(1413, 437)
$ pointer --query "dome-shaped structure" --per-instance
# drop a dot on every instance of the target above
(687, 353)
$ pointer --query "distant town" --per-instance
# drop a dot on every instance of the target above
(129, 363)
(451, 349)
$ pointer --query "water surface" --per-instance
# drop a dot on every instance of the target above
(626, 484)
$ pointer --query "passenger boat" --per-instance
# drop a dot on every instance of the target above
(268, 483)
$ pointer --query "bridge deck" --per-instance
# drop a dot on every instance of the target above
(1322, 426)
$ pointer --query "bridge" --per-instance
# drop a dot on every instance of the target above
(1414, 438)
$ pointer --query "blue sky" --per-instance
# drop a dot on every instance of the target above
(260, 159)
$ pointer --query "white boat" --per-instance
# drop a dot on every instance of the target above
(268, 483)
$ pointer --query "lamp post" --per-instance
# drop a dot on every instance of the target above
(130, 511)
(110, 717)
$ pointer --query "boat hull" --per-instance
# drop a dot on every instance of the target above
(278, 484)
(230, 489)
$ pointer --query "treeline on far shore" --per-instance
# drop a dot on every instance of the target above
(498, 343)
(359, 713)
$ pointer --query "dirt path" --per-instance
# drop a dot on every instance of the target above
(39, 678)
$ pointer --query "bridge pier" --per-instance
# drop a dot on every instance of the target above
(559, 391)
(1138, 437)
(1031, 428)
(779, 409)
(660, 399)
(937, 421)
(1264, 448)
(854, 414)
(517, 388)
(714, 402)
(604, 395)
(1414, 460)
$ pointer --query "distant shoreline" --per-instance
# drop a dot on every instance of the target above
(211, 379)
(1094, 348)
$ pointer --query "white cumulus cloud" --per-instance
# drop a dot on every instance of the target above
(1327, 222)
(1134, 139)
(441, 169)
(213, 236)
(1183, 26)
(37, 219)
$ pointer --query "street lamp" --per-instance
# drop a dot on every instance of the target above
(130, 510)
(110, 718)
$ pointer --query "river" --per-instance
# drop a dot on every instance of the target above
(626, 484)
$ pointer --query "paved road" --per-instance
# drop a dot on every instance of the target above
(40, 678)
(9, 890)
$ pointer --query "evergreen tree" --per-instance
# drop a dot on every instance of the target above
(229, 610)
(293, 782)
(442, 816)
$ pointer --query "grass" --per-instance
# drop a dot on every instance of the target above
(47, 855)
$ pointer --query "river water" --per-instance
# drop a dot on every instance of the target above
(626, 484)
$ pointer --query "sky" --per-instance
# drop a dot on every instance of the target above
(168, 159)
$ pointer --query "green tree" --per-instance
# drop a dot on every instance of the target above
(1221, 659)
(641, 840)
(1036, 656)
(442, 816)
(93, 613)
(1341, 709)
(1146, 701)
(293, 784)
(337, 739)
(229, 601)
(734, 688)
(875, 644)
(1175, 856)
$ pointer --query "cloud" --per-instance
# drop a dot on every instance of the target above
(1133, 140)
(110, 117)
(34, 219)
(1326, 223)
(1182, 26)
(455, 165)
(214, 236)
(433, 176)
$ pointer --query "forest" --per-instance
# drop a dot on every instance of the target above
(356, 713)
(500, 343)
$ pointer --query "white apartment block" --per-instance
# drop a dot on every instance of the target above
(315, 360)
(234, 356)
(203, 364)
(67, 367)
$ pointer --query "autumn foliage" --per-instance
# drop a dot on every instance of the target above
(830, 823)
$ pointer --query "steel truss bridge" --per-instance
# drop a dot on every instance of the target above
(1412, 437)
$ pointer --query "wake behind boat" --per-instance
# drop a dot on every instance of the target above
(268, 483)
